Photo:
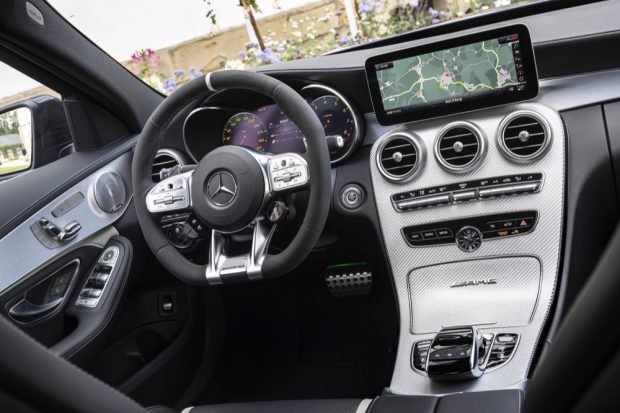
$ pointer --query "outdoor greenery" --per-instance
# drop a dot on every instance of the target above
(13, 154)
(9, 123)
(301, 39)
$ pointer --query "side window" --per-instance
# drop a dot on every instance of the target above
(33, 129)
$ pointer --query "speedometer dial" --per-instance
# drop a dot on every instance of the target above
(246, 129)
(338, 122)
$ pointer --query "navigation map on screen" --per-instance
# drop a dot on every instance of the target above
(452, 75)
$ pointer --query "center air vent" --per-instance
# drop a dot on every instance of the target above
(399, 157)
(524, 136)
(459, 147)
(164, 159)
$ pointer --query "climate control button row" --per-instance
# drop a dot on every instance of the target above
(468, 191)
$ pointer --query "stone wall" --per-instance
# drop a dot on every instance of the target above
(210, 52)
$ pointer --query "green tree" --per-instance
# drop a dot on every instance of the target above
(8, 123)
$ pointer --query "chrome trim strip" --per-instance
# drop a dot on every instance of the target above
(363, 406)
(208, 82)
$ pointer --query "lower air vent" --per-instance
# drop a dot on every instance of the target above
(399, 157)
(524, 136)
(459, 147)
(164, 159)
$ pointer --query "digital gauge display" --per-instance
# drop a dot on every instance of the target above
(246, 129)
(338, 122)
(268, 129)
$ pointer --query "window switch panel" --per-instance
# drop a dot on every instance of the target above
(98, 279)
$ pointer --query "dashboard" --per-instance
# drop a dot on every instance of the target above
(460, 164)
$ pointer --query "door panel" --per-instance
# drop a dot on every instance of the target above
(32, 243)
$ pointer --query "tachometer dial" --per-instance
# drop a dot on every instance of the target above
(338, 122)
(246, 129)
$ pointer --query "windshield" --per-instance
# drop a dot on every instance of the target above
(167, 42)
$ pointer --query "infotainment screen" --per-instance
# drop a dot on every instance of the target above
(466, 73)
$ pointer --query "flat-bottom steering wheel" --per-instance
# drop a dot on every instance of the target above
(232, 187)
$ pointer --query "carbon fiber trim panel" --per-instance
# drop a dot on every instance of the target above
(543, 243)
(498, 292)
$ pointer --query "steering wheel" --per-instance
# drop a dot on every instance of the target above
(232, 187)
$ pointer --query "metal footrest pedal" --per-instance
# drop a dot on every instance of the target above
(349, 279)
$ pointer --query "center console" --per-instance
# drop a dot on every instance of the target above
(470, 207)
(474, 249)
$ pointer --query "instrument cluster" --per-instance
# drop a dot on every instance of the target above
(266, 128)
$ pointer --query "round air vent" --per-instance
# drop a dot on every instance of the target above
(399, 157)
(524, 136)
(459, 147)
(164, 159)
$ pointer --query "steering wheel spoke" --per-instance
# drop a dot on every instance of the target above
(223, 268)
(287, 172)
(170, 195)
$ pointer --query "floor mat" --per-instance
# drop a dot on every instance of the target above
(290, 339)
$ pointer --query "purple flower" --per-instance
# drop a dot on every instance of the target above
(192, 70)
(179, 72)
(414, 3)
(433, 12)
(197, 74)
(344, 40)
(171, 84)
(242, 55)
(367, 7)
(435, 20)
(280, 49)
(268, 56)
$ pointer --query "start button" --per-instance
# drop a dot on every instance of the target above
(352, 196)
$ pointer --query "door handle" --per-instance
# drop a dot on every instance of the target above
(26, 311)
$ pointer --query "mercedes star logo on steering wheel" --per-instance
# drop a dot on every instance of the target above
(221, 188)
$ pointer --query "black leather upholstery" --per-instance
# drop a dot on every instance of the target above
(288, 406)
(585, 347)
(405, 404)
